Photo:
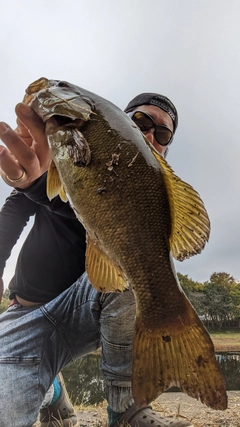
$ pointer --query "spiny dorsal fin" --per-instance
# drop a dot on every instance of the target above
(190, 225)
(103, 273)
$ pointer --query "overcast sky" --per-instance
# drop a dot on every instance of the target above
(187, 50)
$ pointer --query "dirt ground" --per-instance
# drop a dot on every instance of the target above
(177, 405)
(227, 344)
(181, 406)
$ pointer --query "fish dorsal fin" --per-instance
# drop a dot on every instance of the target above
(190, 225)
(54, 184)
(103, 273)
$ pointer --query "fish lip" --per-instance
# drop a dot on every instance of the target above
(51, 124)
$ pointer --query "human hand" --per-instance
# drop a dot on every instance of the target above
(26, 155)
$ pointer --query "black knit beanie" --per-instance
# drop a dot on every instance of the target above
(160, 101)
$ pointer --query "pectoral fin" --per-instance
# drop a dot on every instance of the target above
(78, 148)
(190, 225)
(103, 273)
(54, 184)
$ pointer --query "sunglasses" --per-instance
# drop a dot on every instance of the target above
(162, 134)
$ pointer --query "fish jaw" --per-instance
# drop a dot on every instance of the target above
(50, 98)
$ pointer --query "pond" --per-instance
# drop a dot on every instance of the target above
(84, 380)
(85, 383)
(230, 367)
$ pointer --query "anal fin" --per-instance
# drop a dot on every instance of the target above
(103, 273)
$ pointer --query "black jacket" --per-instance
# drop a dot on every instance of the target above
(53, 254)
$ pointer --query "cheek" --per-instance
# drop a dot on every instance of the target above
(151, 138)
(159, 148)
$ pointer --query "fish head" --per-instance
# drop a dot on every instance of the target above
(50, 98)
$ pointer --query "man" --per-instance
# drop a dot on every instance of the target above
(80, 319)
(42, 272)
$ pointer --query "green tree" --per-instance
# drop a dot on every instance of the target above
(222, 278)
(188, 284)
(221, 299)
(193, 290)
(5, 301)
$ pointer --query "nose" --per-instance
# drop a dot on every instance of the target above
(150, 135)
(151, 138)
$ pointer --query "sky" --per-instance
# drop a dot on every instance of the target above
(187, 50)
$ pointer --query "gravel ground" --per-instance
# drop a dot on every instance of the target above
(178, 405)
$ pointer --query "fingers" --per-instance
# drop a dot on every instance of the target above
(29, 120)
(27, 155)
(19, 150)
(12, 172)
(17, 157)
(26, 158)
(8, 164)
(29, 123)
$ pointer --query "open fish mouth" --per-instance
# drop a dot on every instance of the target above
(57, 120)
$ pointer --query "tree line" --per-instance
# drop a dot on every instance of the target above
(217, 301)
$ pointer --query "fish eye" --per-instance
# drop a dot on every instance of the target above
(63, 84)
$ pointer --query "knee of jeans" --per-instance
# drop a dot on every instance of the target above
(116, 361)
(117, 318)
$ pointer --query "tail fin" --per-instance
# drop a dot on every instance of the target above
(179, 355)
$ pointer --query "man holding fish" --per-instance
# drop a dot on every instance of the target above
(82, 318)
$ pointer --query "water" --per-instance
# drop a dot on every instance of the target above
(85, 383)
(230, 367)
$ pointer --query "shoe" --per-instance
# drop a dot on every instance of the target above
(143, 417)
(61, 413)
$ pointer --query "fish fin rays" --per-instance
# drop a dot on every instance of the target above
(103, 273)
(78, 148)
(54, 184)
(182, 357)
(63, 195)
(190, 225)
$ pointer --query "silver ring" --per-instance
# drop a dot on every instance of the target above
(18, 179)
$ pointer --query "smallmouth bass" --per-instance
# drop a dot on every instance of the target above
(137, 214)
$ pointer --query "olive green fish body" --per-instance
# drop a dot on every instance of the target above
(135, 211)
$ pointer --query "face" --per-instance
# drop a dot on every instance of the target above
(160, 117)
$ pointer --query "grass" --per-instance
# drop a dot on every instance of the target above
(226, 340)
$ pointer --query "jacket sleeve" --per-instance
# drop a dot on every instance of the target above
(14, 216)
(37, 193)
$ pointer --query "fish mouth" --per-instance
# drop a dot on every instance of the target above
(57, 121)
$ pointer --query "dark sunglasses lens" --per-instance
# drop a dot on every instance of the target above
(163, 135)
(142, 121)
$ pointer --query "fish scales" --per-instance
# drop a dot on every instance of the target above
(135, 211)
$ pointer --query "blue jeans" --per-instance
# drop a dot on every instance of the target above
(37, 342)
